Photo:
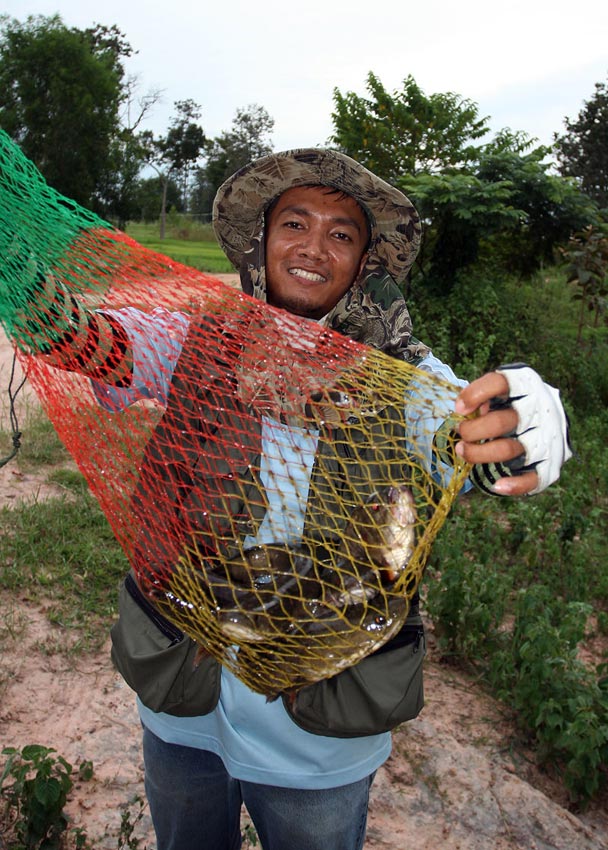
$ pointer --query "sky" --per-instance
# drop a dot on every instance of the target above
(527, 64)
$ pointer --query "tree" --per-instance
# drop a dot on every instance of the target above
(148, 195)
(460, 210)
(118, 189)
(174, 156)
(586, 261)
(60, 94)
(506, 202)
(582, 151)
(406, 132)
(497, 196)
(550, 208)
(248, 139)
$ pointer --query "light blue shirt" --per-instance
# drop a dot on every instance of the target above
(256, 739)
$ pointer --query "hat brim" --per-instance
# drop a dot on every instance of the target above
(240, 203)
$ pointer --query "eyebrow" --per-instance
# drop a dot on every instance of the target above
(343, 220)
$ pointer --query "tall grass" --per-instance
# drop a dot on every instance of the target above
(60, 550)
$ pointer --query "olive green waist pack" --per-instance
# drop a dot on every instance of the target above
(159, 663)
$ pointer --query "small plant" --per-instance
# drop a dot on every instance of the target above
(562, 702)
(128, 822)
(249, 836)
(586, 259)
(34, 786)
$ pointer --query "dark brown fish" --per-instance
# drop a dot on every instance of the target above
(341, 607)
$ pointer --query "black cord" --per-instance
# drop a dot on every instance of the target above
(13, 413)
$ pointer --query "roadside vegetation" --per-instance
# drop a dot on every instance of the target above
(518, 590)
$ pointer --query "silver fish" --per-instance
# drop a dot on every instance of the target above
(378, 543)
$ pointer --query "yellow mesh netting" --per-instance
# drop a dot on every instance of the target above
(270, 480)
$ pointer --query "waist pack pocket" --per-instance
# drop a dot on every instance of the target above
(157, 660)
(375, 695)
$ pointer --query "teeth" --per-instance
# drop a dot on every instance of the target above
(306, 275)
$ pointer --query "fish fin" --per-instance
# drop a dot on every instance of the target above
(201, 654)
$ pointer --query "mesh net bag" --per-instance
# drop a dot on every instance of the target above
(276, 486)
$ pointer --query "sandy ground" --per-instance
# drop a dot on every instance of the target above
(458, 779)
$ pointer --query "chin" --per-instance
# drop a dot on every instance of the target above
(298, 307)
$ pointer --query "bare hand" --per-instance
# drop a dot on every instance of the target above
(483, 438)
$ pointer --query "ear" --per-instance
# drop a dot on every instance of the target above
(364, 260)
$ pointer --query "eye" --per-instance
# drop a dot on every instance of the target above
(343, 237)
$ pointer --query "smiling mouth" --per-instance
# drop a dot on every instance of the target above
(312, 276)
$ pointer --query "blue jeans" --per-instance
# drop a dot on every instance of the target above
(196, 805)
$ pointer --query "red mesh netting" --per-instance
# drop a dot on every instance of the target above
(270, 480)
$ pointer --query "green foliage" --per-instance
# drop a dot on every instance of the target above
(549, 208)
(249, 836)
(148, 197)
(494, 201)
(60, 94)
(474, 327)
(557, 697)
(511, 586)
(35, 785)
(586, 260)
(174, 155)
(129, 820)
(462, 210)
(248, 139)
(404, 132)
(582, 151)
(119, 191)
(488, 318)
(504, 209)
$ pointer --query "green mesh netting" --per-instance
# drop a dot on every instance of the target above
(268, 478)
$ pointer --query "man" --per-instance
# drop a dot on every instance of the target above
(316, 235)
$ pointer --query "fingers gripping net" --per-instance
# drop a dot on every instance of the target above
(276, 486)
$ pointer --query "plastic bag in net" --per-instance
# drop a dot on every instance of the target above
(277, 487)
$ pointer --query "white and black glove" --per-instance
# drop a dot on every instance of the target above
(542, 430)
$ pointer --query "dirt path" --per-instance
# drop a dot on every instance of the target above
(455, 781)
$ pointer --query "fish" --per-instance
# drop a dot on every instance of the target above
(378, 543)
(278, 587)
(313, 610)
(255, 596)
(383, 531)
(337, 641)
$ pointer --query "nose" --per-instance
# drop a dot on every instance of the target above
(313, 244)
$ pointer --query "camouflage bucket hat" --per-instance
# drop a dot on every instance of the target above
(240, 203)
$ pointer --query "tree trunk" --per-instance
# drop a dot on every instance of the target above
(163, 208)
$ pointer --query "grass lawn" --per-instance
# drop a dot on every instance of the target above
(196, 248)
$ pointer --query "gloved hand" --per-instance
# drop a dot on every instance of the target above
(518, 442)
(542, 424)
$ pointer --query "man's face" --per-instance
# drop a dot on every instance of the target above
(315, 243)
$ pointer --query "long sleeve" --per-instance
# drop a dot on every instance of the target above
(424, 423)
